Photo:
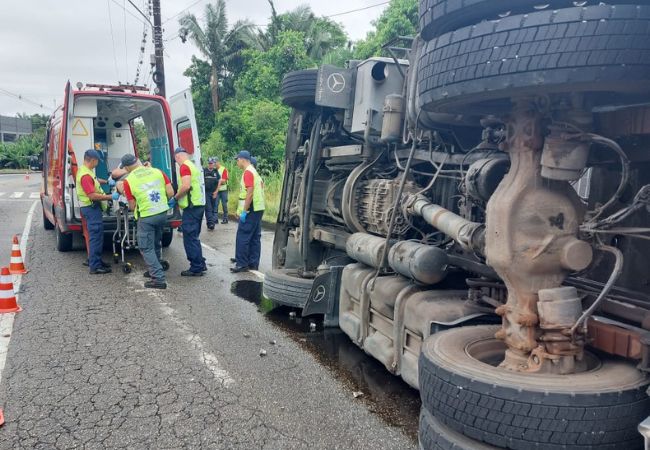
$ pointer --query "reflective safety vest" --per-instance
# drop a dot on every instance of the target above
(84, 200)
(258, 192)
(148, 188)
(224, 185)
(196, 194)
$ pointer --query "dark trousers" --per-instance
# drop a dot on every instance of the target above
(150, 231)
(93, 224)
(222, 197)
(191, 225)
(249, 241)
(211, 210)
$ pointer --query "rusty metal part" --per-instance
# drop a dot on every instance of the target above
(563, 158)
(615, 340)
(530, 238)
(625, 122)
(467, 233)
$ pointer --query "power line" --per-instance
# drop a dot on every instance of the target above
(126, 48)
(182, 11)
(139, 19)
(357, 10)
(110, 22)
(141, 13)
(22, 98)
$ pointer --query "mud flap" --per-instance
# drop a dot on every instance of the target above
(324, 296)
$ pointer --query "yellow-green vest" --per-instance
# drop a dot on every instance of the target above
(148, 188)
(224, 185)
(196, 194)
(258, 191)
(84, 200)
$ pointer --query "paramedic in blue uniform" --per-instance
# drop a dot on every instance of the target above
(211, 177)
(250, 210)
(191, 199)
(93, 204)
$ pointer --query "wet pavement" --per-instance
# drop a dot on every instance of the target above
(384, 394)
(100, 362)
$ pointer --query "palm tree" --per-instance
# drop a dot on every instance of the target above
(321, 34)
(217, 42)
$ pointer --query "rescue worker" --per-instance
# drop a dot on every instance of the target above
(211, 177)
(191, 199)
(148, 191)
(222, 191)
(250, 210)
(93, 204)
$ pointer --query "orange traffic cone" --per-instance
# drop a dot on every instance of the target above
(16, 266)
(7, 297)
(2, 418)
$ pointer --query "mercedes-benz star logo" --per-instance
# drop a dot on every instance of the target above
(320, 294)
(336, 82)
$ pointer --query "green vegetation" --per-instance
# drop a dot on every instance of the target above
(16, 155)
(236, 87)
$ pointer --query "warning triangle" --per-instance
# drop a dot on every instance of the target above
(79, 129)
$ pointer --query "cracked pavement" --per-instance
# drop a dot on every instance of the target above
(99, 362)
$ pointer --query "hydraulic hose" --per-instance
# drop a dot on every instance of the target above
(616, 272)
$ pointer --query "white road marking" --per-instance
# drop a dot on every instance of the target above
(207, 358)
(2, 193)
(7, 320)
(35, 195)
(16, 195)
(257, 273)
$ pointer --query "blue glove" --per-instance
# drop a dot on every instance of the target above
(111, 182)
(242, 216)
(172, 202)
(115, 196)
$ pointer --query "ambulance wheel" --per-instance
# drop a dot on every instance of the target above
(167, 238)
(463, 387)
(165, 265)
(63, 240)
(127, 268)
(46, 223)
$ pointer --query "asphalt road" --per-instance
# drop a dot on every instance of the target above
(101, 362)
(17, 195)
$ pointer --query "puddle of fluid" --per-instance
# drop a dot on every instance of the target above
(385, 394)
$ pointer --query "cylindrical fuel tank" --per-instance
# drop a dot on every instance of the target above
(366, 248)
(423, 263)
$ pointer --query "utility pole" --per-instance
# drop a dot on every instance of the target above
(158, 74)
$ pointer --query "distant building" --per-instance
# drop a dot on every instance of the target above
(11, 128)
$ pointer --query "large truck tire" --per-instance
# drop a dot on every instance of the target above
(285, 287)
(600, 48)
(432, 435)
(461, 385)
(442, 16)
(299, 88)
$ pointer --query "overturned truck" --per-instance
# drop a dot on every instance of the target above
(476, 217)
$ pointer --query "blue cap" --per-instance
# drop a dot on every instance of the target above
(179, 150)
(92, 154)
(212, 160)
(253, 160)
(244, 154)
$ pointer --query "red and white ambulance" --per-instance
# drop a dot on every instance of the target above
(105, 118)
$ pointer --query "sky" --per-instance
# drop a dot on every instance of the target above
(43, 43)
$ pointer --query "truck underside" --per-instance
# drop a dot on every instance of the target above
(477, 219)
